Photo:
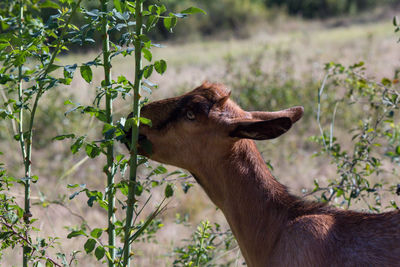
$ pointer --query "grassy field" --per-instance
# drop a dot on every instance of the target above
(293, 56)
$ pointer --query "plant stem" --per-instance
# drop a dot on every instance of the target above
(27, 151)
(25, 158)
(135, 133)
(110, 147)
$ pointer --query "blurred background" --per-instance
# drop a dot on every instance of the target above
(270, 53)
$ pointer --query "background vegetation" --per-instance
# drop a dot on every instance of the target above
(271, 60)
(238, 18)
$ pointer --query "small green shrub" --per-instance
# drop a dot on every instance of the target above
(367, 158)
(206, 245)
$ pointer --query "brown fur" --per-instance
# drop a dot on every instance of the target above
(272, 227)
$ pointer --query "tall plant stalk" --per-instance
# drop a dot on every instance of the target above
(135, 132)
(110, 147)
(26, 148)
(25, 158)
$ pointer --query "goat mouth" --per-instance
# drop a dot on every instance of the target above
(142, 137)
(144, 145)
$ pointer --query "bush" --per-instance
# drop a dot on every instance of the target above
(326, 8)
(367, 164)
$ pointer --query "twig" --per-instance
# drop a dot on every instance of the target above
(26, 240)
(320, 91)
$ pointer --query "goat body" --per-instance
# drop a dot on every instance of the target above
(206, 133)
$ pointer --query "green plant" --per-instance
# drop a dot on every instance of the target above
(29, 49)
(205, 244)
(365, 170)
(14, 231)
(133, 23)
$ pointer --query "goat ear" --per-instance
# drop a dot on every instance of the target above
(261, 130)
(294, 113)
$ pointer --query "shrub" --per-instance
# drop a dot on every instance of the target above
(326, 8)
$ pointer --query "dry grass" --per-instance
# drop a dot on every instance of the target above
(188, 66)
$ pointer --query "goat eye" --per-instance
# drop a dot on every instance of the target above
(190, 115)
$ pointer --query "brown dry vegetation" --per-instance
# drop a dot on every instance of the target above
(306, 49)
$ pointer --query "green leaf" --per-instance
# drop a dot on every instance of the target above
(138, 189)
(160, 66)
(63, 136)
(193, 10)
(148, 70)
(86, 73)
(386, 81)
(4, 43)
(169, 190)
(49, 4)
(160, 170)
(69, 102)
(145, 121)
(129, 123)
(76, 185)
(76, 233)
(6, 114)
(398, 150)
(92, 150)
(186, 186)
(53, 67)
(144, 38)
(89, 245)
(99, 252)
(69, 71)
(5, 235)
(75, 194)
(96, 233)
(151, 22)
(161, 9)
(77, 145)
(34, 178)
(48, 263)
(117, 5)
(147, 54)
(4, 78)
(170, 22)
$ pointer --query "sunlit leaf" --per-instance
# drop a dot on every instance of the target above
(170, 23)
(169, 190)
(90, 245)
(86, 73)
(193, 10)
(76, 233)
(49, 4)
(99, 252)
(96, 233)
(160, 66)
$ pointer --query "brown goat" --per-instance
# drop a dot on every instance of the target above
(206, 133)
